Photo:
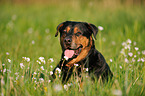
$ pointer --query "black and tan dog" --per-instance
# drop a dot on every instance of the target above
(78, 48)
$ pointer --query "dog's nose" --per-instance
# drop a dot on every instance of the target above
(67, 40)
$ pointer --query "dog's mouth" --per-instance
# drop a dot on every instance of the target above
(70, 52)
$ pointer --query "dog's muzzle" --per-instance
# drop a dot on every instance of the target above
(71, 49)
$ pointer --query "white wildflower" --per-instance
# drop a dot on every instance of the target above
(2, 83)
(58, 70)
(139, 60)
(76, 65)
(100, 28)
(120, 67)
(51, 66)
(41, 80)
(21, 65)
(42, 59)
(142, 59)
(126, 60)
(117, 92)
(86, 69)
(134, 56)
(9, 60)
(130, 54)
(124, 44)
(33, 42)
(87, 76)
(35, 82)
(51, 60)
(133, 60)
(5, 70)
(138, 52)
(17, 77)
(38, 62)
(34, 73)
(7, 53)
(66, 87)
(59, 75)
(110, 60)
(3, 64)
(16, 73)
(66, 58)
(127, 47)
(128, 41)
(42, 68)
(51, 72)
(28, 59)
(69, 84)
(49, 81)
(8, 70)
(143, 52)
(122, 51)
(57, 87)
(24, 58)
(136, 48)
(134, 43)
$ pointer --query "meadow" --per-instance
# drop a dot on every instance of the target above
(28, 48)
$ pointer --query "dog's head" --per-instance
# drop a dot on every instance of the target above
(76, 39)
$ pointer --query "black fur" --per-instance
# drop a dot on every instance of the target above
(94, 61)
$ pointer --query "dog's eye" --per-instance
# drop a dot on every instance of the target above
(63, 33)
(78, 33)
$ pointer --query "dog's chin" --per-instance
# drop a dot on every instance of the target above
(71, 53)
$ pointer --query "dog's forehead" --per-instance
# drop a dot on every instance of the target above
(75, 26)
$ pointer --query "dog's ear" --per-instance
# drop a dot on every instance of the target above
(93, 29)
(58, 28)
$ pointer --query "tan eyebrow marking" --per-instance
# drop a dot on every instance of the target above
(76, 29)
(67, 29)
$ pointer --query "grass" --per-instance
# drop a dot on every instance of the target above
(28, 31)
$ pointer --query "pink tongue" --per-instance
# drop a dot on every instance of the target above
(69, 53)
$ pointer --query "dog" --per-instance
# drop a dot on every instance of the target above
(78, 47)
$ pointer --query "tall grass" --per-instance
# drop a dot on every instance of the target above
(27, 46)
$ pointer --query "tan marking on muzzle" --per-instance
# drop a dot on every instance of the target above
(82, 55)
(73, 43)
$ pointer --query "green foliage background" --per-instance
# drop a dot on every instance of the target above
(22, 24)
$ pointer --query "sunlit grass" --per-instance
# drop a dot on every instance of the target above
(29, 51)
